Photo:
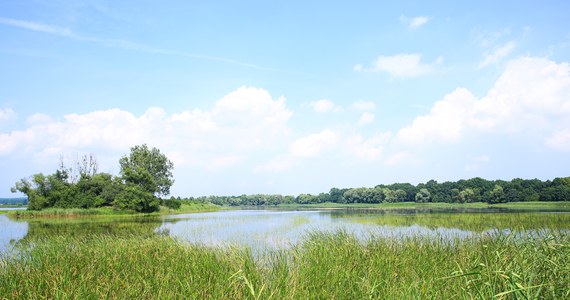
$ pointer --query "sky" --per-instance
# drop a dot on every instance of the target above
(288, 97)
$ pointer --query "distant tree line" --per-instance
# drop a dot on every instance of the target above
(462, 191)
(13, 201)
(146, 174)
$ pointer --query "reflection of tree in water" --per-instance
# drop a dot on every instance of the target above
(85, 227)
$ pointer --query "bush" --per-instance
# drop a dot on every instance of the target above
(172, 203)
(133, 197)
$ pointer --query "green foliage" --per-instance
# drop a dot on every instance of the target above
(145, 174)
(423, 196)
(149, 169)
(135, 198)
(462, 191)
(172, 203)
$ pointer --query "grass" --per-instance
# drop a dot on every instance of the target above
(535, 205)
(12, 205)
(477, 222)
(190, 207)
(186, 207)
(438, 205)
(323, 266)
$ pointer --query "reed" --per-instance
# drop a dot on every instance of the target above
(323, 266)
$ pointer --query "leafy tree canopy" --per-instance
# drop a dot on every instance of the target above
(149, 169)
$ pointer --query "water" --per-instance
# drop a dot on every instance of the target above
(11, 232)
(280, 229)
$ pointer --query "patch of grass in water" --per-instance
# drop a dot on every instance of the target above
(468, 221)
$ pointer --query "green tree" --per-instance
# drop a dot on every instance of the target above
(134, 197)
(467, 195)
(423, 196)
(497, 195)
(148, 169)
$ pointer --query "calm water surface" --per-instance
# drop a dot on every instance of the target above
(280, 229)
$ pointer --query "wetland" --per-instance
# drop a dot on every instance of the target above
(291, 253)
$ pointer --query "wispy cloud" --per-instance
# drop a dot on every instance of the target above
(415, 22)
(324, 105)
(118, 43)
(401, 65)
(497, 55)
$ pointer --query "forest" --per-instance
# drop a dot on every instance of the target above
(462, 191)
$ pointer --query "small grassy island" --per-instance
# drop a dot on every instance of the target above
(67, 254)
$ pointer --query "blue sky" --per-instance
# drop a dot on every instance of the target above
(288, 96)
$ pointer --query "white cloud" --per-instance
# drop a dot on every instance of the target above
(38, 118)
(242, 122)
(401, 158)
(323, 106)
(497, 55)
(403, 65)
(367, 148)
(530, 97)
(488, 39)
(445, 121)
(313, 144)
(474, 163)
(366, 118)
(34, 26)
(224, 162)
(560, 140)
(415, 22)
(278, 164)
(363, 105)
(7, 115)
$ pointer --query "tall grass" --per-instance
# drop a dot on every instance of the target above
(324, 266)
(186, 207)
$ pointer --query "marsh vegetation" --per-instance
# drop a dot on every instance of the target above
(260, 254)
(325, 266)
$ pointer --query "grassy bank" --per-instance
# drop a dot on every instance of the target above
(190, 207)
(324, 266)
(439, 205)
(186, 207)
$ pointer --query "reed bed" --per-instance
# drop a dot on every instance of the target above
(323, 266)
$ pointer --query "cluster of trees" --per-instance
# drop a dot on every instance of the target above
(462, 191)
(13, 201)
(146, 174)
(246, 200)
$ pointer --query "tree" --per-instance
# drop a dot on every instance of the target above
(423, 196)
(148, 169)
(133, 197)
(497, 195)
(467, 195)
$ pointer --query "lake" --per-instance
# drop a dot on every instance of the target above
(280, 229)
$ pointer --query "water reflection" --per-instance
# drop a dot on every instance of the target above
(282, 229)
(11, 232)
(262, 229)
